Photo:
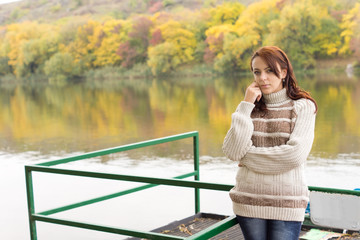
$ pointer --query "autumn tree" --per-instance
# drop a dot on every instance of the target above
(4, 59)
(107, 40)
(327, 39)
(296, 32)
(82, 47)
(233, 44)
(61, 67)
(350, 34)
(162, 58)
(223, 36)
(28, 45)
(215, 38)
(178, 48)
(197, 22)
(214, 47)
(226, 13)
(35, 52)
(134, 50)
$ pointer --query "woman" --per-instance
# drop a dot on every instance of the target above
(271, 135)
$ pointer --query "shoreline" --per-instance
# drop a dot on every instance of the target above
(324, 66)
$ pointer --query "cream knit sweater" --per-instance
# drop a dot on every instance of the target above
(272, 148)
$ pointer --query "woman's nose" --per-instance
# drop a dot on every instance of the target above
(263, 76)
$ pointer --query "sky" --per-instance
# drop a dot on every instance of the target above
(8, 1)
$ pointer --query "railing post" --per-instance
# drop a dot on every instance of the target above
(30, 201)
(197, 170)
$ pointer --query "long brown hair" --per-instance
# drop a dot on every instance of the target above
(273, 55)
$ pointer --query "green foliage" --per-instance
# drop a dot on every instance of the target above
(328, 39)
(116, 14)
(167, 2)
(34, 54)
(62, 66)
(163, 58)
(237, 52)
(4, 66)
(78, 3)
(296, 30)
(350, 25)
(55, 8)
(18, 13)
(178, 48)
(209, 3)
(138, 5)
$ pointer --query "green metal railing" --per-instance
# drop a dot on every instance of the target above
(47, 167)
(178, 181)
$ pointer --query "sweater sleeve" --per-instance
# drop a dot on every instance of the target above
(283, 158)
(238, 139)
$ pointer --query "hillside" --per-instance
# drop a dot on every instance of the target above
(49, 10)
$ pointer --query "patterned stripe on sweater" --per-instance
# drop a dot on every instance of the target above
(273, 128)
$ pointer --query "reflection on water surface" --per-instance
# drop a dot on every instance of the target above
(91, 116)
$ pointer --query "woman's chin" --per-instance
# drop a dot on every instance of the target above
(266, 91)
(269, 90)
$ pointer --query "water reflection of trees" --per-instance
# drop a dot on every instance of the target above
(90, 116)
(337, 128)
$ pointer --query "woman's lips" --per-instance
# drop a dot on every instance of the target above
(265, 86)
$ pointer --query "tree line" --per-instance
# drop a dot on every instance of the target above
(223, 37)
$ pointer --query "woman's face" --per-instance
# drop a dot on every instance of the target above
(266, 79)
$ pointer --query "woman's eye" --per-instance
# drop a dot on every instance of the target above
(269, 71)
(256, 72)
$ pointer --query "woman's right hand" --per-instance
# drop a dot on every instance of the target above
(253, 93)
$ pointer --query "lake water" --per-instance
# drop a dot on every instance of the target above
(41, 122)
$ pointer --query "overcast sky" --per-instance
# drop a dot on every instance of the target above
(8, 1)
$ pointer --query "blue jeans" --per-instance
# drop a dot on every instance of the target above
(264, 229)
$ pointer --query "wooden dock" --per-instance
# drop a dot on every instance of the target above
(194, 224)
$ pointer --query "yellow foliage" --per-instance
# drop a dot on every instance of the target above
(236, 52)
(18, 34)
(96, 43)
(178, 48)
(350, 25)
(160, 18)
(174, 32)
(163, 58)
(232, 30)
(226, 13)
(82, 47)
(215, 31)
(248, 22)
(109, 37)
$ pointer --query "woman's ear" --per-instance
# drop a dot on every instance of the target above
(283, 73)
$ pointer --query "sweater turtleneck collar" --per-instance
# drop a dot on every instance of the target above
(277, 97)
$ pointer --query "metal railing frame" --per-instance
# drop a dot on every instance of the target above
(47, 167)
(178, 181)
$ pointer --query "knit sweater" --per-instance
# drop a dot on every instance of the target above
(272, 148)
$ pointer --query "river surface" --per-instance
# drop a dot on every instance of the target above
(41, 122)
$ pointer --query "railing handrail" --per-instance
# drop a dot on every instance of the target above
(47, 167)
(151, 182)
(133, 178)
(121, 148)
